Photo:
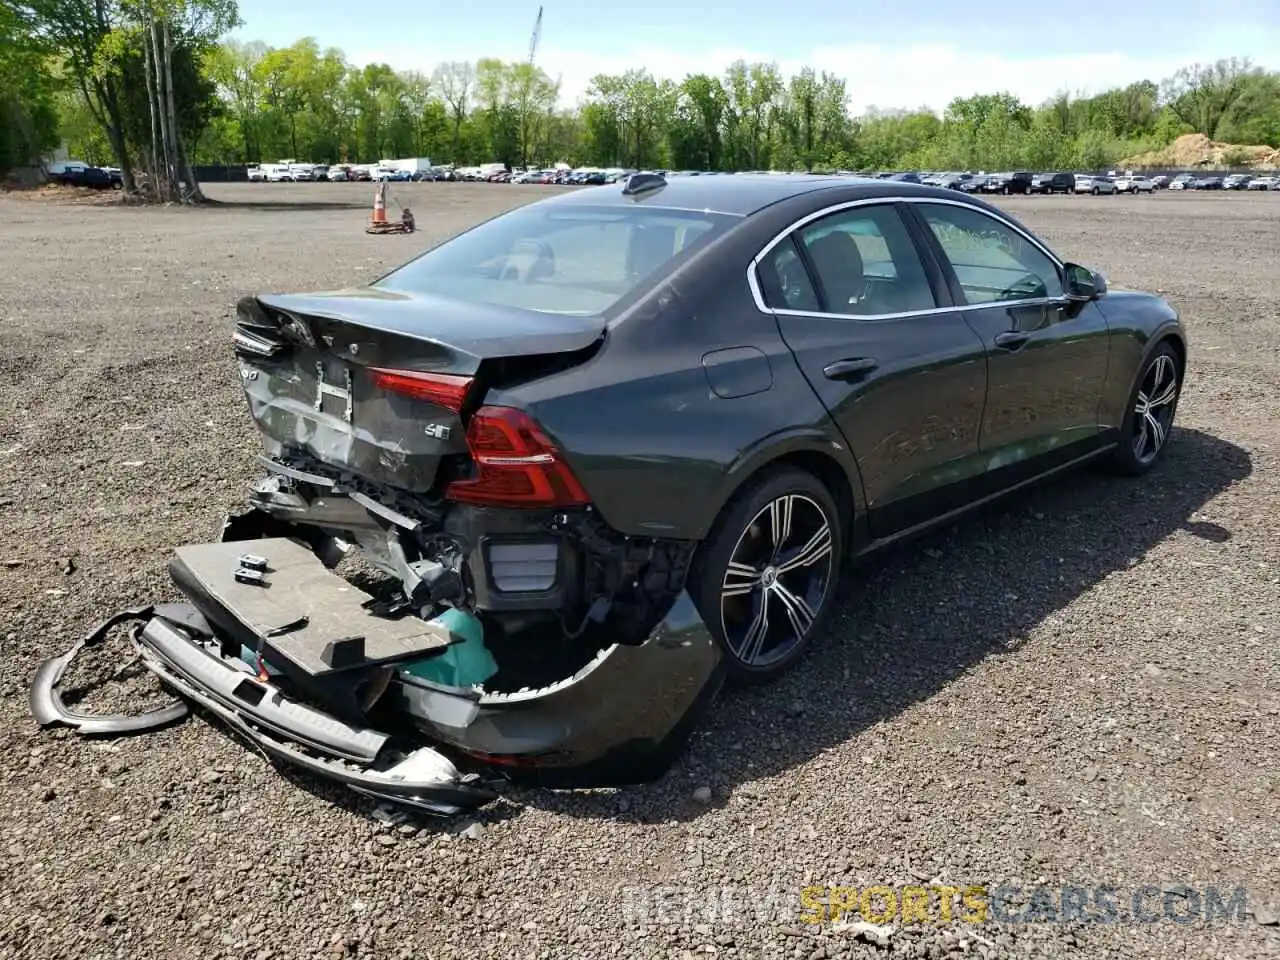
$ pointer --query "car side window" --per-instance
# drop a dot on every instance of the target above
(866, 263)
(993, 262)
(785, 282)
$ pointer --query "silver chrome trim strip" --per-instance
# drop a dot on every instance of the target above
(753, 282)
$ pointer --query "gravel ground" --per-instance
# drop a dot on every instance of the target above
(1079, 687)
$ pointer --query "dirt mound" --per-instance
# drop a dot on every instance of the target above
(58, 193)
(1197, 150)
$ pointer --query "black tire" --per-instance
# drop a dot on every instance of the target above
(1144, 436)
(744, 535)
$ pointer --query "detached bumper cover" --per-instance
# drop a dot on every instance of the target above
(364, 759)
(620, 719)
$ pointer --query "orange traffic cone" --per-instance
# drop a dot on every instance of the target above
(378, 223)
(379, 205)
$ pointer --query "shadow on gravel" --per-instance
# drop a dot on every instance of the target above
(301, 206)
(917, 616)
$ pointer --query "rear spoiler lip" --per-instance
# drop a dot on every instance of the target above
(516, 332)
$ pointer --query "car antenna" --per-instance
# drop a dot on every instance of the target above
(639, 183)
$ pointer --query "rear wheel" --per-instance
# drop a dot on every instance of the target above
(764, 579)
(1148, 422)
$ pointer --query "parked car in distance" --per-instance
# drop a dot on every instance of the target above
(84, 175)
(1236, 181)
(1007, 183)
(1207, 183)
(1134, 183)
(1182, 181)
(1264, 183)
(1054, 183)
(1095, 184)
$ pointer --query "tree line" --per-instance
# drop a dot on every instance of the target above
(147, 84)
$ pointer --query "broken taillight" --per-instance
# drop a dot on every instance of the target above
(446, 390)
(517, 465)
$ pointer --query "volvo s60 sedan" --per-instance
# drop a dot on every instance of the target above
(528, 499)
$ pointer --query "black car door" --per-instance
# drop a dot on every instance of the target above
(1047, 363)
(867, 315)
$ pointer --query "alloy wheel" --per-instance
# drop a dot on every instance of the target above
(776, 581)
(1153, 410)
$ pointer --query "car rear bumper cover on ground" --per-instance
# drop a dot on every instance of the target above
(618, 719)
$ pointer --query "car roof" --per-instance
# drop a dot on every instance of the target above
(743, 194)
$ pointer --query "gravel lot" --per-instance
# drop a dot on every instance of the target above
(1080, 687)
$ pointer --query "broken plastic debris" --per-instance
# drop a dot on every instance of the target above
(465, 663)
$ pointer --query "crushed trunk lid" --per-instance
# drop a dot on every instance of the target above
(380, 382)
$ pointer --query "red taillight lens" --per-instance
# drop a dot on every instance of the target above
(443, 389)
(517, 465)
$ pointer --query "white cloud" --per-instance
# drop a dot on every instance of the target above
(881, 76)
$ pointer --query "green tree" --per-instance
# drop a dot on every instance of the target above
(28, 92)
(78, 30)
(1202, 94)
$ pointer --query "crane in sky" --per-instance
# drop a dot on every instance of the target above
(536, 37)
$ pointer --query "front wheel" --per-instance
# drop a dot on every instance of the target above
(1144, 435)
(765, 578)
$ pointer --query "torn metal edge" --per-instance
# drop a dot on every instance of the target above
(49, 710)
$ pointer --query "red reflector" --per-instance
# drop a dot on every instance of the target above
(506, 759)
(447, 390)
(517, 465)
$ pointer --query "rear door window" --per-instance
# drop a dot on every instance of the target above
(863, 260)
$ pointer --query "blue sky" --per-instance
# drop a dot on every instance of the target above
(923, 53)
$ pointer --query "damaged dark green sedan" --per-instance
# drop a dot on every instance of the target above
(529, 499)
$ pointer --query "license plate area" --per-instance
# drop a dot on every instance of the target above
(334, 393)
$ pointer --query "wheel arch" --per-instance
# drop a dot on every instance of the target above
(1170, 334)
(816, 453)
(1174, 337)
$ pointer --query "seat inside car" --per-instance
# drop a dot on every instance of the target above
(838, 263)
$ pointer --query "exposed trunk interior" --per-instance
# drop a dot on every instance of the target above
(532, 650)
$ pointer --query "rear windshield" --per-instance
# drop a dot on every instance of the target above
(575, 260)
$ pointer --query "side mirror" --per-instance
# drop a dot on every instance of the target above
(1084, 284)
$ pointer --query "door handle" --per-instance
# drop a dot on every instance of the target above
(849, 369)
(1011, 339)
